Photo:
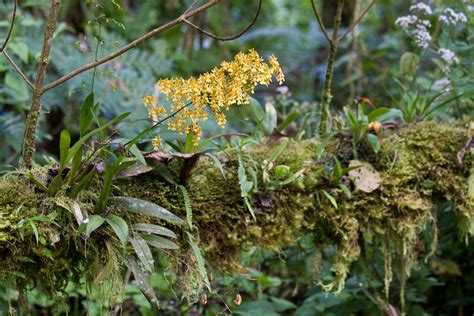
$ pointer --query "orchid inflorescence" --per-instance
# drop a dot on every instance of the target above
(212, 92)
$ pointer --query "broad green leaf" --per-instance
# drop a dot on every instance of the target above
(409, 64)
(159, 242)
(154, 229)
(143, 252)
(270, 121)
(375, 114)
(200, 260)
(20, 49)
(139, 206)
(16, 83)
(374, 142)
(119, 226)
(95, 221)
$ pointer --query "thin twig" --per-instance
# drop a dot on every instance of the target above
(356, 22)
(17, 69)
(131, 45)
(320, 21)
(28, 144)
(12, 24)
(227, 38)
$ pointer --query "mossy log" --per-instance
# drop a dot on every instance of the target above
(418, 166)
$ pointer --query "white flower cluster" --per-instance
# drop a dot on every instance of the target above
(448, 57)
(451, 17)
(421, 7)
(415, 26)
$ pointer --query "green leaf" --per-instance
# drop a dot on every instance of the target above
(270, 121)
(35, 230)
(16, 83)
(330, 198)
(119, 226)
(200, 260)
(86, 116)
(74, 149)
(409, 64)
(143, 252)
(64, 143)
(139, 206)
(20, 49)
(245, 185)
(217, 163)
(375, 114)
(279, 151)
(288, 120)
(95, 221)
(159, 242)
(374, 142)
(154, 229)
(143, 282)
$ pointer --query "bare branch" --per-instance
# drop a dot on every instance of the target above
(227, 38)
(28, 146)
(17, 69)
(356, 22)
(320, 21)
(131, 45)
(12, 24)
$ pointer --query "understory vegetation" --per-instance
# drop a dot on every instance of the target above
(225, 157)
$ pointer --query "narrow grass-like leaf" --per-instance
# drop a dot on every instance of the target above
(330, 198)
(139, 206)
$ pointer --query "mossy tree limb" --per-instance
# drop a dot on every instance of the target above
(418, 167)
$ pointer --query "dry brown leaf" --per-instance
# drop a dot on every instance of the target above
(365, 178)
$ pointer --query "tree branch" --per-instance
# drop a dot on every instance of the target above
(17, 69)
(356, 22)
(131, 45)
(227, 38)
(12, 24)
(320, 21)
(325, 116)
(28, 146)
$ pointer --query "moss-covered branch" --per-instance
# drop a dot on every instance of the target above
(418, 167)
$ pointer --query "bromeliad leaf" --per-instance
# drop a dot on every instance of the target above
(139, 206)
(143, 252)
(119, 226)
(154, 229)
(159, 242)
